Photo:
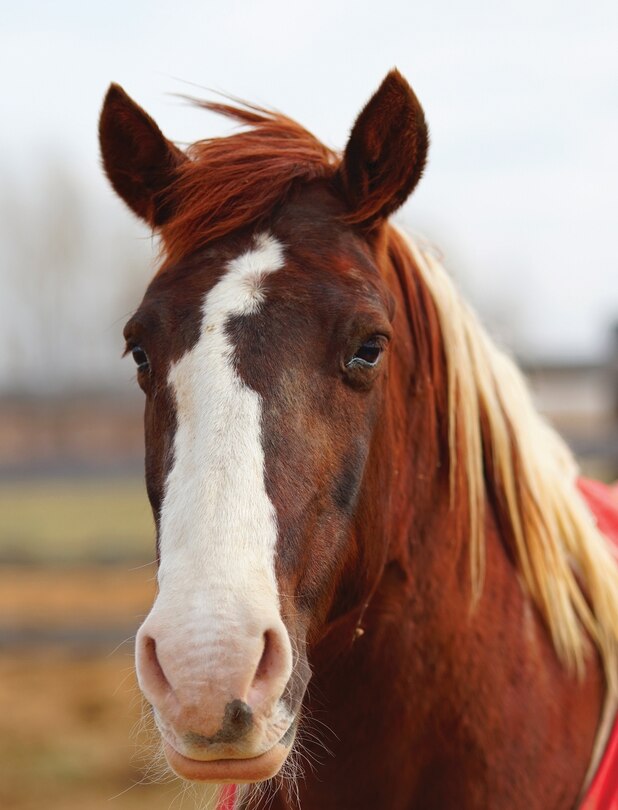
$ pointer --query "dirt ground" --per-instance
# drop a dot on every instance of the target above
(73, 731)
(72, 737)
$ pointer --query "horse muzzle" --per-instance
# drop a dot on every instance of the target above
(217, 690)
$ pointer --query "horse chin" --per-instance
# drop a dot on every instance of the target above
(224, 771)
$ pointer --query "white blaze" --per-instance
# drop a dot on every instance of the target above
(218, 527)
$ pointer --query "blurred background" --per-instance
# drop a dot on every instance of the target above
(520, 195)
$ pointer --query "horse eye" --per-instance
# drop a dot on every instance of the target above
(141, 358)
(367, 355)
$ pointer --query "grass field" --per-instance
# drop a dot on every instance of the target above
(68, 521)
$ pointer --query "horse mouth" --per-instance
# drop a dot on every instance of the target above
(222, 771)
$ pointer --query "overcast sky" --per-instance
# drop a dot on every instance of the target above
(521, 192)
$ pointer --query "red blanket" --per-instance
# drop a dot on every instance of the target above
(227, 798)
(603, 791)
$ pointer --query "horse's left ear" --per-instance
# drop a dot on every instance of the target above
(386, 153)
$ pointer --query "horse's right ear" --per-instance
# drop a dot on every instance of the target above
(138, 159)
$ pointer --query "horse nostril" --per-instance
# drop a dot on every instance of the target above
(265, 662)
(151, 668)
(271, 665)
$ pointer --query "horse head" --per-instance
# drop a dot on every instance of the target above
(263, 349)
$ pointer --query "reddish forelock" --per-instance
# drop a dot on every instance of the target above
(233, 182)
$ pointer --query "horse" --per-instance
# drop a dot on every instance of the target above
(380, 584)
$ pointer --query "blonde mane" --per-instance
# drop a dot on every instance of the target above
(564, 561)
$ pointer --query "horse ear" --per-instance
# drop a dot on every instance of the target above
(386, 153)
(139, 161)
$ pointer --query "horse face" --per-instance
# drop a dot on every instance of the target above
(263, 358)
(262, 363)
